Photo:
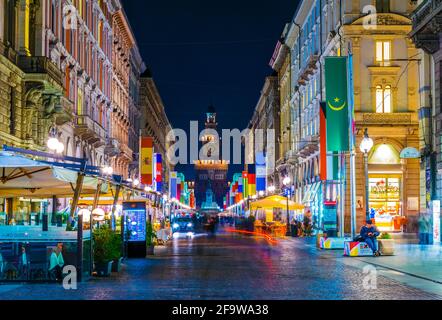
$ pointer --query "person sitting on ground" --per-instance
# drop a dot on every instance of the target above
(57, 262)
(369, 232)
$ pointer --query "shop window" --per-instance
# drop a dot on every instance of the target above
(383, 99)
(384, 154)
(383, 52)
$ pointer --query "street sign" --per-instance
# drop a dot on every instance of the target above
(410, 153)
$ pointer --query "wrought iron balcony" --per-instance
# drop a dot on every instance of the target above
(40, 67)
(126, 152)
(291, 157)
(427, 25)
(112, 147)
(308, 146)
(90, 131)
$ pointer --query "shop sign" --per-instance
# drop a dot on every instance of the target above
(436, 221)
(410, 153)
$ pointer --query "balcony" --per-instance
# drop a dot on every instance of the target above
(427, 23)
(126, 152)
(291, 157)
(112, 147)
(40, 69)
(308, 146)
(90, 131)
(308, 70)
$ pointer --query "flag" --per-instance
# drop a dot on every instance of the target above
(251, 175)
(146, 160)
(337, 104)
(245, 184)
(158, 172)
(173, 184)
(323, 142)
(261, 172)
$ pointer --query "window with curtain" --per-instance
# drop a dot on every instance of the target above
(383, 99)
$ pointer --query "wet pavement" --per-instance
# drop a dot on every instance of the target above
(228, 267)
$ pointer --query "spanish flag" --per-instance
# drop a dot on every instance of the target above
(146, 160)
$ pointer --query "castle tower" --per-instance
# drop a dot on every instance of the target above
(211, 172)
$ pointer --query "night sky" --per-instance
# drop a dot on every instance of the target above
(205, 52)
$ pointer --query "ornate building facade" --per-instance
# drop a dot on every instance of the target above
(281, 63)
(266, 117)
(154, 121)
(386, 98)
(71, 69)
(427, 35)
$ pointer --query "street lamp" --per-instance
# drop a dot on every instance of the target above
(365, 147)
(286, 183)
(107, 170)
(55, 145)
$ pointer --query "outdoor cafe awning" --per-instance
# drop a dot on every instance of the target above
(275, 202)
(24, 177)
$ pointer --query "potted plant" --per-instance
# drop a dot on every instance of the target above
(116, 244)
(150, 239)
(103, 255)
(386, 244)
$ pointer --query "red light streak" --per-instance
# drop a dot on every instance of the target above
(270, 239)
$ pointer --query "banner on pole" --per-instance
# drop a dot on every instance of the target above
(337, 108)
(173, 184)
(261, 172)
(146, 160)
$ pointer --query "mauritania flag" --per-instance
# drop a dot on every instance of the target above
(336, 87)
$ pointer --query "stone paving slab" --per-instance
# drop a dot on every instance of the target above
(229, 268)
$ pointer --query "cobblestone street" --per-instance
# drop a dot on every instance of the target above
(228, 267)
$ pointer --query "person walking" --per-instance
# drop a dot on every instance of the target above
(423, 225)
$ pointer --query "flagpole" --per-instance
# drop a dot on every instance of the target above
(352, 146)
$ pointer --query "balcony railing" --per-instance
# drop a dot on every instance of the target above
(90, 130)
(40, 65)
(426, 10)
(308, 146)
(112, 147)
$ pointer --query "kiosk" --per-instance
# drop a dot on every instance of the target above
(134, 215)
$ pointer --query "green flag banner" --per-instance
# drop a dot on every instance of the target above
(336, 87)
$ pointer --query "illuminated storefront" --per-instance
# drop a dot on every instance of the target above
(385, 188)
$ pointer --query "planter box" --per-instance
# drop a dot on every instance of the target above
(150, 250)
(386, 247)
(116, 265)
(104, 269)
(357, 249)
(159, 250)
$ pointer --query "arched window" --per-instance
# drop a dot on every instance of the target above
(383, 99)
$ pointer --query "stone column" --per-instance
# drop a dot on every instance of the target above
(2, 20)
(24, 27)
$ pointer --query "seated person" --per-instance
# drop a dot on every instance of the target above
(23, 263)
(369, 232)
(57, 262)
